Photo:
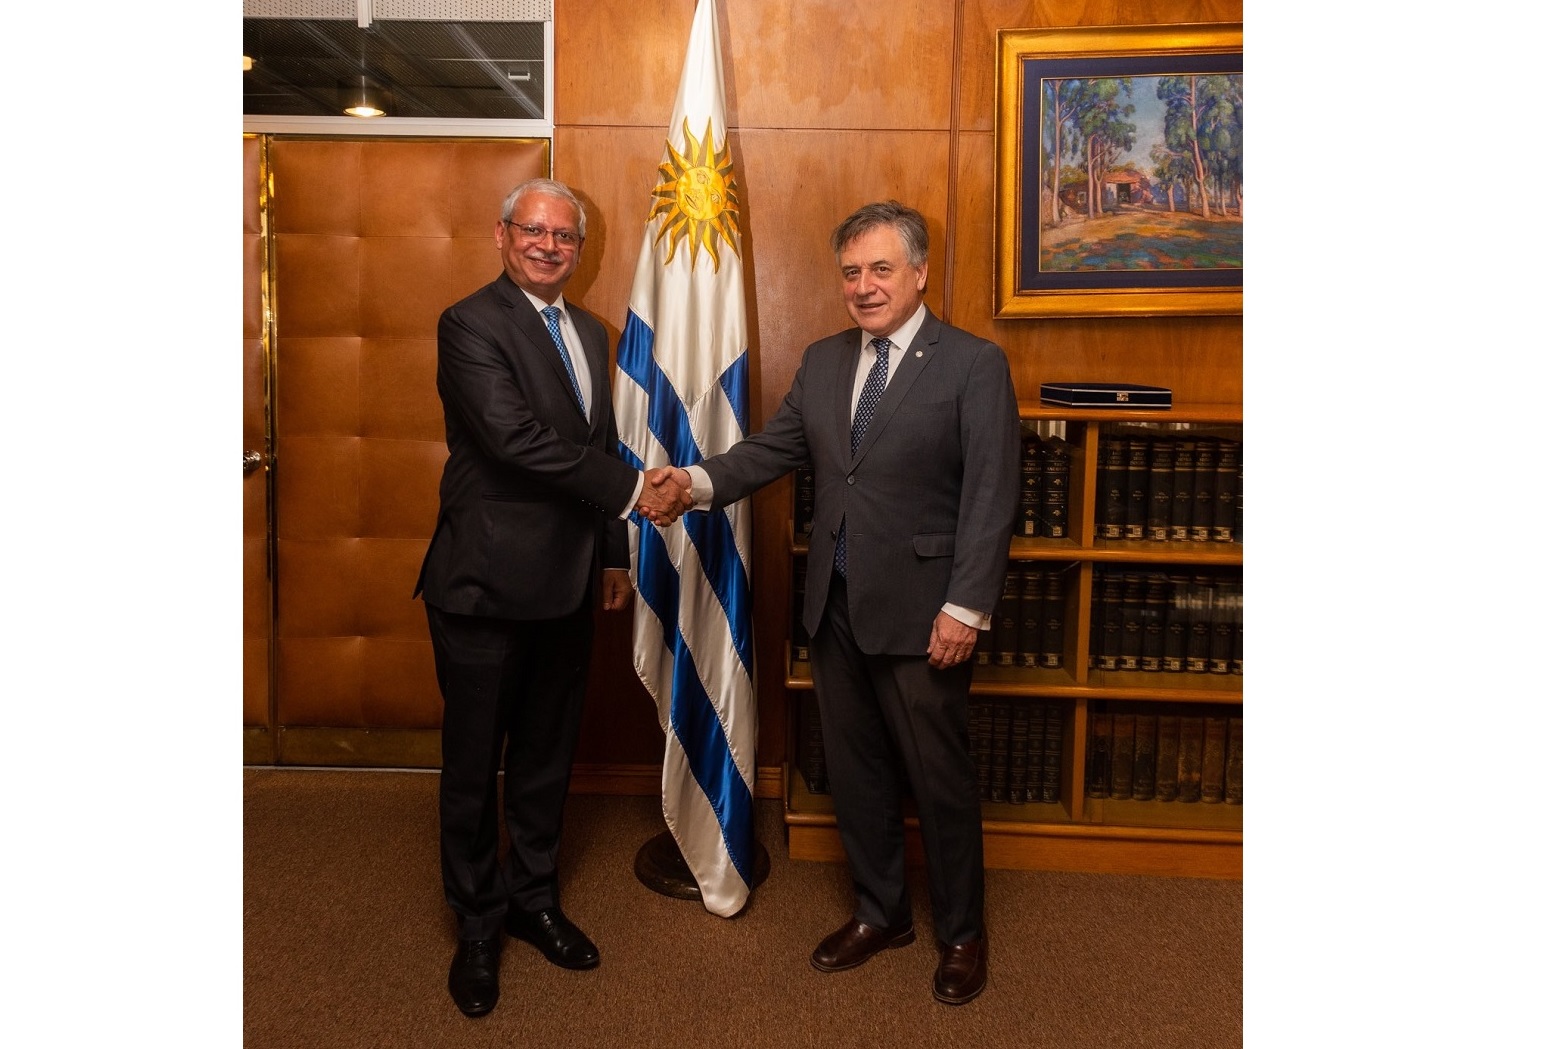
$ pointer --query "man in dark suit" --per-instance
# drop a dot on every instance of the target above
(911, 427)
(533, 503)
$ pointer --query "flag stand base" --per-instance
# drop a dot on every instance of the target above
(660, 866)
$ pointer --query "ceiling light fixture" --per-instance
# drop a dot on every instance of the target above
(362, 98)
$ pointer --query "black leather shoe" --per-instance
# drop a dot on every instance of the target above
(854, 943)
(474, 976)
(551, 933)
(961, 973)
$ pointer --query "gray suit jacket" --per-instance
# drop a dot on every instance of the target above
(531, 495)
(929, 497)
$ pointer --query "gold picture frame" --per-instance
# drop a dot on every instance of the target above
(1130, 251)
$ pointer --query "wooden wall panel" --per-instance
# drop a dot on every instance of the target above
(818, 64)
(981, 19)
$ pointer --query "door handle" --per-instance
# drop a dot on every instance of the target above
(250, 461)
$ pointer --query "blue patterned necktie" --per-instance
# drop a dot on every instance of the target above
(551, 313)
(867, 404)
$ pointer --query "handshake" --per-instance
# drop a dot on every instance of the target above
(666, 495)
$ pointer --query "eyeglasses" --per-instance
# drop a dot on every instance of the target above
(566, 237)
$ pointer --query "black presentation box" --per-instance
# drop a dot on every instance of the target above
(1105, 395)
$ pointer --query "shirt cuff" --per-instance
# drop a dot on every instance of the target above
(969, 617)
(701, 488)
(637, 490)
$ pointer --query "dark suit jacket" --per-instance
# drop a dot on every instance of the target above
(929, 497)
(531, 493)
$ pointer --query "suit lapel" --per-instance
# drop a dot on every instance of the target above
(533, 326)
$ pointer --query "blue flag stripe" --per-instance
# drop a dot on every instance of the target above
(711, 533)
(692, 715)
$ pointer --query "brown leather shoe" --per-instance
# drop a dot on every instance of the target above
(854, 943)
(961, 973)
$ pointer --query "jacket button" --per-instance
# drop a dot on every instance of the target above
(851, 479)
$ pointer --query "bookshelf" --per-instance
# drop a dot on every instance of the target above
(1079, 831)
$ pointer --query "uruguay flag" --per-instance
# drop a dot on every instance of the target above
(682, 393)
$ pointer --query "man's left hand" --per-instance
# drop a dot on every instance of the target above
(951, 643)
(615, 589)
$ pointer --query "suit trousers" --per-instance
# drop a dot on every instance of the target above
(513, 690)
(889, 721)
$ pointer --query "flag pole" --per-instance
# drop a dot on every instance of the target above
(682, 395)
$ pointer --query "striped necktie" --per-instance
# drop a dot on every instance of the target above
(551, 313)
(867, 404)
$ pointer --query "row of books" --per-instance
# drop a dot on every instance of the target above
(1028, 624)
(1172, 621)
(1044, 493)
(1016, 746)
(1185, 757)
(1168, 487)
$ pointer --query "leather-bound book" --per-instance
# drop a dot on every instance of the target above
(1233, 789)
(1110, 499)
(1202, 606)
(1144, 764)
(1055, 489)
(1191, 747)
(1100, 743)
(1204, 491)
(1110, 585)
(1031, 607)
(1213, 760)
(1137, 474)
(1160, 490)
(1225, 498)
(1122, 756)
(1154, 616)
(1052, 633)
(1183, 512)
(1034, 752)
(1167, 760)
(1018, 754)
(1055, 740)
(1031, 469)
(1132, 630)
(1176, 624)
(1005, 623)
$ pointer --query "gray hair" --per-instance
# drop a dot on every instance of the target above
(552, 188)
(907, 222)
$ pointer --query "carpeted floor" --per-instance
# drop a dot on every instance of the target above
(348, 941)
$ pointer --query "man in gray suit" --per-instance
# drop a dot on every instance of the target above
(532, 509)
(911, 427)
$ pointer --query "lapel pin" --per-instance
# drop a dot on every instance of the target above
(918, 353)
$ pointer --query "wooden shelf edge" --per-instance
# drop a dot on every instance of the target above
(1060, 853)
(1072, 690)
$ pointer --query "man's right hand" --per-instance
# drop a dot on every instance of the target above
(666, 495)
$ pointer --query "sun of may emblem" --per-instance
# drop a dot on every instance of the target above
(698, 197)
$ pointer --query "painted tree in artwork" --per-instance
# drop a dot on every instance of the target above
(1170, 168)
(1204, 118)
(1084, 120)
(1106, 134)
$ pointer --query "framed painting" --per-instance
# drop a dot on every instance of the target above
(1119, 171)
